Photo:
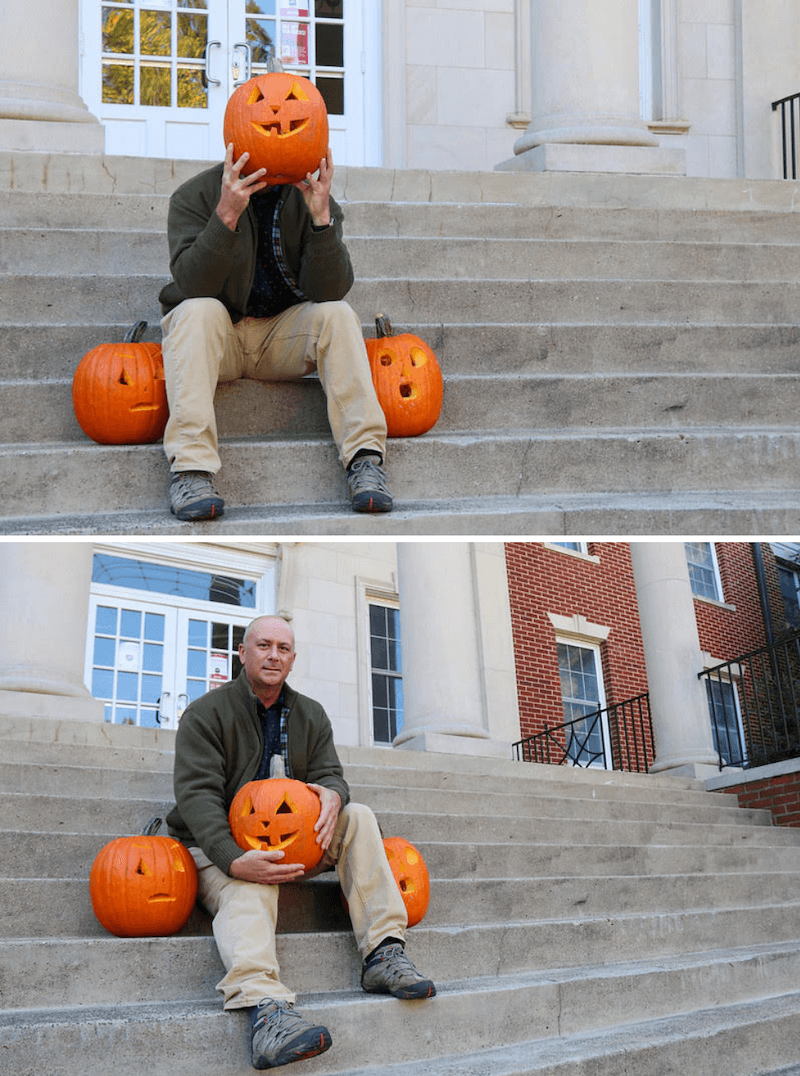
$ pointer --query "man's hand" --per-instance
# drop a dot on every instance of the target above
(317, 194)
(237, 189)
(265, 868)
(331, 804)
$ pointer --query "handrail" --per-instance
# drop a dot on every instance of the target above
(790, 131)
(629, 745)
(761, 724)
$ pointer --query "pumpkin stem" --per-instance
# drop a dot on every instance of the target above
(135, 333)
(383, 327)
(152, 827)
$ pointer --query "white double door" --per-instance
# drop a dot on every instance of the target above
(147, 660)
(158, 73)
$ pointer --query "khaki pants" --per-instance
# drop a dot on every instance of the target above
(245, 913)
(202, 347)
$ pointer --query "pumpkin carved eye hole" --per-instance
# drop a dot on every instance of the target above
(418, 357)
(386, 360)
(143, 868)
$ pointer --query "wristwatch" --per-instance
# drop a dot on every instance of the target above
(322, 227)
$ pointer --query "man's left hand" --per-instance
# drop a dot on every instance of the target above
(317, 192)
(331, 804)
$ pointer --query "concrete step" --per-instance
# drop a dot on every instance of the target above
(462, 1014)
(64, 905)
(42, 813)
(85, 297)
(664, 511)
(542, 349)
(71, 856)
(274, 478)
(492, 402)
(56, 250)
(84, 782)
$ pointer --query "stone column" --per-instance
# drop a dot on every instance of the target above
(44, 595)
(444, 674)
(684, 741)
(40, 108)
(585, 93)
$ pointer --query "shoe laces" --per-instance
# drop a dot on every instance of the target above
(395, 962)
(365, 473)
(279, 1020)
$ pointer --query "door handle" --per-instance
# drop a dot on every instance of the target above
(237, 81)
(183, 702)
(207, 79)
(163, 708)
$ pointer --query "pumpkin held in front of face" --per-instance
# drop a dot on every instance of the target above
(278, 814)
(119, 393)
(143, 886)
(407, 380)
(282, 122)
(411, 875)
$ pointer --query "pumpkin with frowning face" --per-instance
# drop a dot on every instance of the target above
(143, 886)
(407, 379)
(119, 393)
(278, 814)
(280, 119)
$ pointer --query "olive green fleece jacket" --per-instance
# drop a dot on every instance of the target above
(218, 748)
(208, 260)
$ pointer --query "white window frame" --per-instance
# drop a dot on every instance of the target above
(369, 592)
(732, 681)
(569, 639)
(719, 597)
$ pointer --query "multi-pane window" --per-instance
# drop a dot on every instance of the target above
(581, 693)
(725, 723)
(703, 570)
(170, 579)
(387, 672)
(307, 36)
(212, 655)
(153, 52)
(128, 664)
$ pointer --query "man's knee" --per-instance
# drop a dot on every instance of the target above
(203, 314)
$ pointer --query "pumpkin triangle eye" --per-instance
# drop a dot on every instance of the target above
(143, 868)
(418, 357)
(285, 808)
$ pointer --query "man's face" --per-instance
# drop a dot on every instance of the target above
(268, 655)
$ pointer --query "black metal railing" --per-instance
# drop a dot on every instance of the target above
(754, 702)
(790, 132)
(618, 737)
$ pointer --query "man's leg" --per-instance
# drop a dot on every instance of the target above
(376, 907)
(328, 336)
(200, 348)
(244, 918)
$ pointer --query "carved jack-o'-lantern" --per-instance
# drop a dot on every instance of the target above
(407, 380)
(119, 393)
(411, 875)
(277, 814)
(281, 121)
(143, 886)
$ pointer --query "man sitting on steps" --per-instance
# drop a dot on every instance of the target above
(259, 273)
(227, 738)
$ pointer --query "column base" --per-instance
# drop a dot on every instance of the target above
(582, 157)
(38, 136)
(700, 770)
(55, 707)
(455, 745)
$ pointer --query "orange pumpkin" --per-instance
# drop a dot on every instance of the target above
(277, 814)
(407, 380)
(143, 886)
(411, 875)
(281, 120)
(119, 393)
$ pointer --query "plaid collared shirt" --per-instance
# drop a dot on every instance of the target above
(273, 744)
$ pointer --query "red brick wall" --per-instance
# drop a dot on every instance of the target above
(779, 794)
(543, 580)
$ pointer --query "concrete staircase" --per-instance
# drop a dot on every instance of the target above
(581, 924)
(620, 355)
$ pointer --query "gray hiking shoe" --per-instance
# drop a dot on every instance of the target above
(366, 484)
(281, 1035)
(193, 497)
(389, 971)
